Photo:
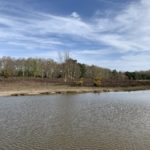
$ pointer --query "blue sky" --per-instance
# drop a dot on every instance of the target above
(108, 33)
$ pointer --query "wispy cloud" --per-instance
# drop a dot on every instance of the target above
(125, 33)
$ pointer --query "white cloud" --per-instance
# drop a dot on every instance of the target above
(129, 31)
(132, 62)
(75, 15)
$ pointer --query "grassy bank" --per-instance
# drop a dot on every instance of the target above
(30, 87)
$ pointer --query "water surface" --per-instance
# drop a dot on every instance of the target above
(107, 121)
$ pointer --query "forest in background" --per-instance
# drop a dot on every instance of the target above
(68, 71)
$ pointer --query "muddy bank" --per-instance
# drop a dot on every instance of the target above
(25, 91)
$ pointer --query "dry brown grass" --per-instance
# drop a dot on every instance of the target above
(30, 87)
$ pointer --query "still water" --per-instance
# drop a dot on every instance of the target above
(107, 121)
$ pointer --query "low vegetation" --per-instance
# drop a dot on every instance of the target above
(69, 72)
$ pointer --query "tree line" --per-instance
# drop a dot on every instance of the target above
(66, 70)
(141, 75)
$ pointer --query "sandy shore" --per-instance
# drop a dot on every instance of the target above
(22, 89)
(52, 90)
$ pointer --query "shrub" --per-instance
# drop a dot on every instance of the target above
(97, 82)
(80, 82)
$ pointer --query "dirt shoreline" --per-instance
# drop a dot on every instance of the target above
(53, 89)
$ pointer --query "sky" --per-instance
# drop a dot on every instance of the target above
(109, 33)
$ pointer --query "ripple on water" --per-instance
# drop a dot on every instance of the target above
(109, 121)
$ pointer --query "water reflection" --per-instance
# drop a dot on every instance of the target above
(108, 121)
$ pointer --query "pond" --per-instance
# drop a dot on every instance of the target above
(106, 121)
